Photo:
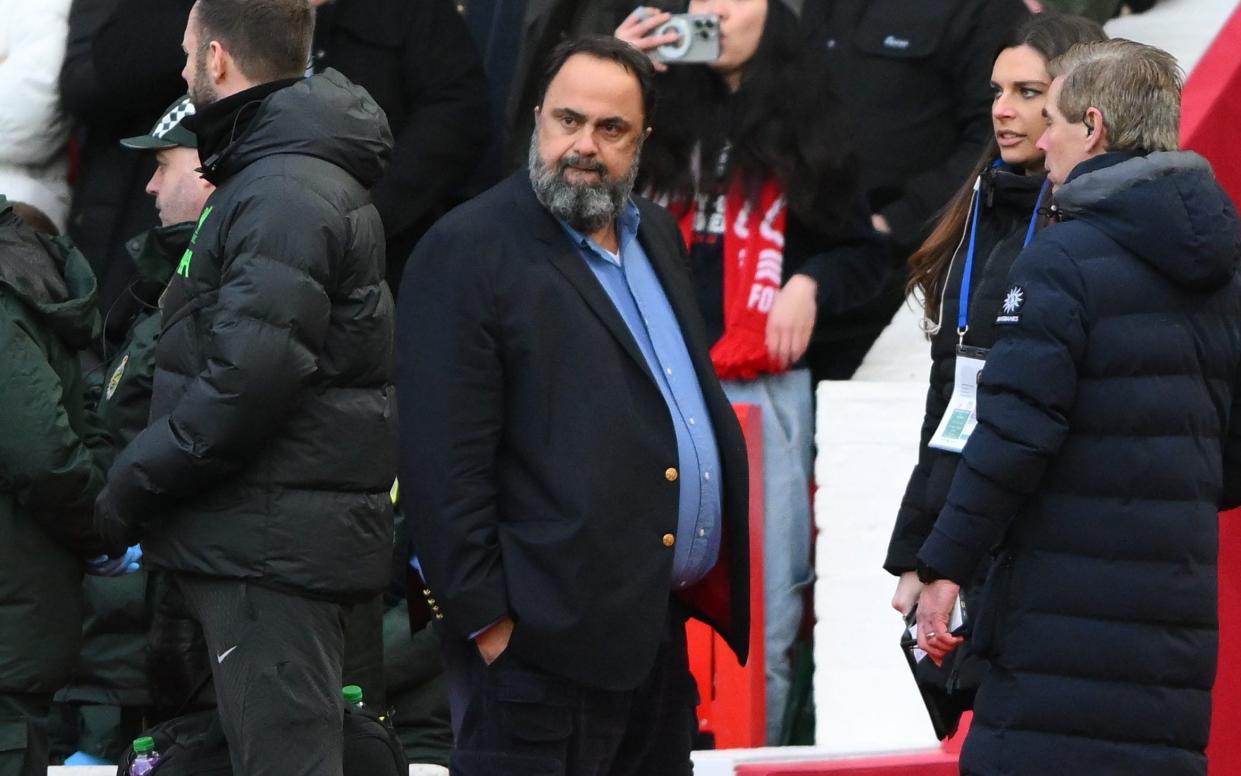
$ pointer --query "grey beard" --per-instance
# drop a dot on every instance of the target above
(585, 207)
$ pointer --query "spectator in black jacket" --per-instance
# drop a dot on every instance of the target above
(419, 63)
(262, 481)
(122, 66)
(1108, 437)
(913, 78)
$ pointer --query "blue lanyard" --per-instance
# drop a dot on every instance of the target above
(968, 273)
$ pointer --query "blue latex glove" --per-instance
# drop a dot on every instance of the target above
(82, 758)
(104, 566)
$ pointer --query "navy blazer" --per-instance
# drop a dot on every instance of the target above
(538, 457)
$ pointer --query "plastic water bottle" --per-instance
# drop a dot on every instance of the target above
(352, 695)
(145, 757)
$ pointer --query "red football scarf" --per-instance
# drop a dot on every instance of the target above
(753, 274)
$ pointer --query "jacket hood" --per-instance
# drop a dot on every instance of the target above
(1167, 209)
(51, 277)
(324, 116)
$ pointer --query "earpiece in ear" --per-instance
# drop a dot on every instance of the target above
(1089, 129)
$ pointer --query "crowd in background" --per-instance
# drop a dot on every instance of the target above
(845, 128)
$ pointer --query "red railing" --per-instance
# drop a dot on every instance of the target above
(1211, 107)
(733, 709)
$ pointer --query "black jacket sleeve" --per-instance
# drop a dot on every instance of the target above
(268, 327)
(916, 516)
(451, 387)
(1025, 395)
(447, 128)
(851, 268)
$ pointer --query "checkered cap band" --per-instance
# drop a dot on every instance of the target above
(169, 132)
(172, 119)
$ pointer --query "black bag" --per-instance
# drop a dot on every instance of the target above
(372, 747)
(947, 691)
(189, 745)
(194, 745)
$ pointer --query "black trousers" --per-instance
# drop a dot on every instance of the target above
(276, 663)
(511, 719)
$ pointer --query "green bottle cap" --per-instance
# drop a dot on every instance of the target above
(144, 745)
(352, 694)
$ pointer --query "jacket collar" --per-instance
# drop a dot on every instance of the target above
(222, 123)
(564, 256)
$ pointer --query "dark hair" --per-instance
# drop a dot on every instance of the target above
(268, 39)
(1049, 33)
(613, 50)
(784, 122)
(34, 218)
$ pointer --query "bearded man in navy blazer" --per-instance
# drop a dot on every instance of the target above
(574, 477)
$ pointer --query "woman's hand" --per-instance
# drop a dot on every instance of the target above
(907, 589)
(791, 320)
(637, 28)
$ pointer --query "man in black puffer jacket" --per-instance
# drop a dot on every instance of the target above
(272, 444)
(1108, 437)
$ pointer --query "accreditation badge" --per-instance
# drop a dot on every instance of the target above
(961, 415)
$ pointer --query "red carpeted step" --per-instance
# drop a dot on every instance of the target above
(933, 763)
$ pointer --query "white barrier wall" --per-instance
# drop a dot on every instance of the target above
(865, 697)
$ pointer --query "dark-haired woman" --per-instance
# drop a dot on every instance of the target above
(748, 151)
(961, 272)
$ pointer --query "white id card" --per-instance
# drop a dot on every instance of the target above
(960, 417)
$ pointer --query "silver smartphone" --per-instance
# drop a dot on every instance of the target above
(698, 38)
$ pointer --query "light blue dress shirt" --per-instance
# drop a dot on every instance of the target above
(634, 288)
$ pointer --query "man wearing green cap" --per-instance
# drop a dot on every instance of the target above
(102, 705)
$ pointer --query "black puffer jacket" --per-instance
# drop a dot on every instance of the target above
(272, 446)
(1109, 436)
(1006, 204)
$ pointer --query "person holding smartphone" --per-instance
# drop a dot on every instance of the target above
(781, 249)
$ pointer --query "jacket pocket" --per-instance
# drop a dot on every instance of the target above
(993, 605)
(901, 29)
(536, 708)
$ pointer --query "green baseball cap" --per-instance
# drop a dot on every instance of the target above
(169, 131)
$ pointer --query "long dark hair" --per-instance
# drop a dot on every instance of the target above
(1049, 33)
(784, 121)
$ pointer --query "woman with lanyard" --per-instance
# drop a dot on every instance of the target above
(749, 153)
(961, 273)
